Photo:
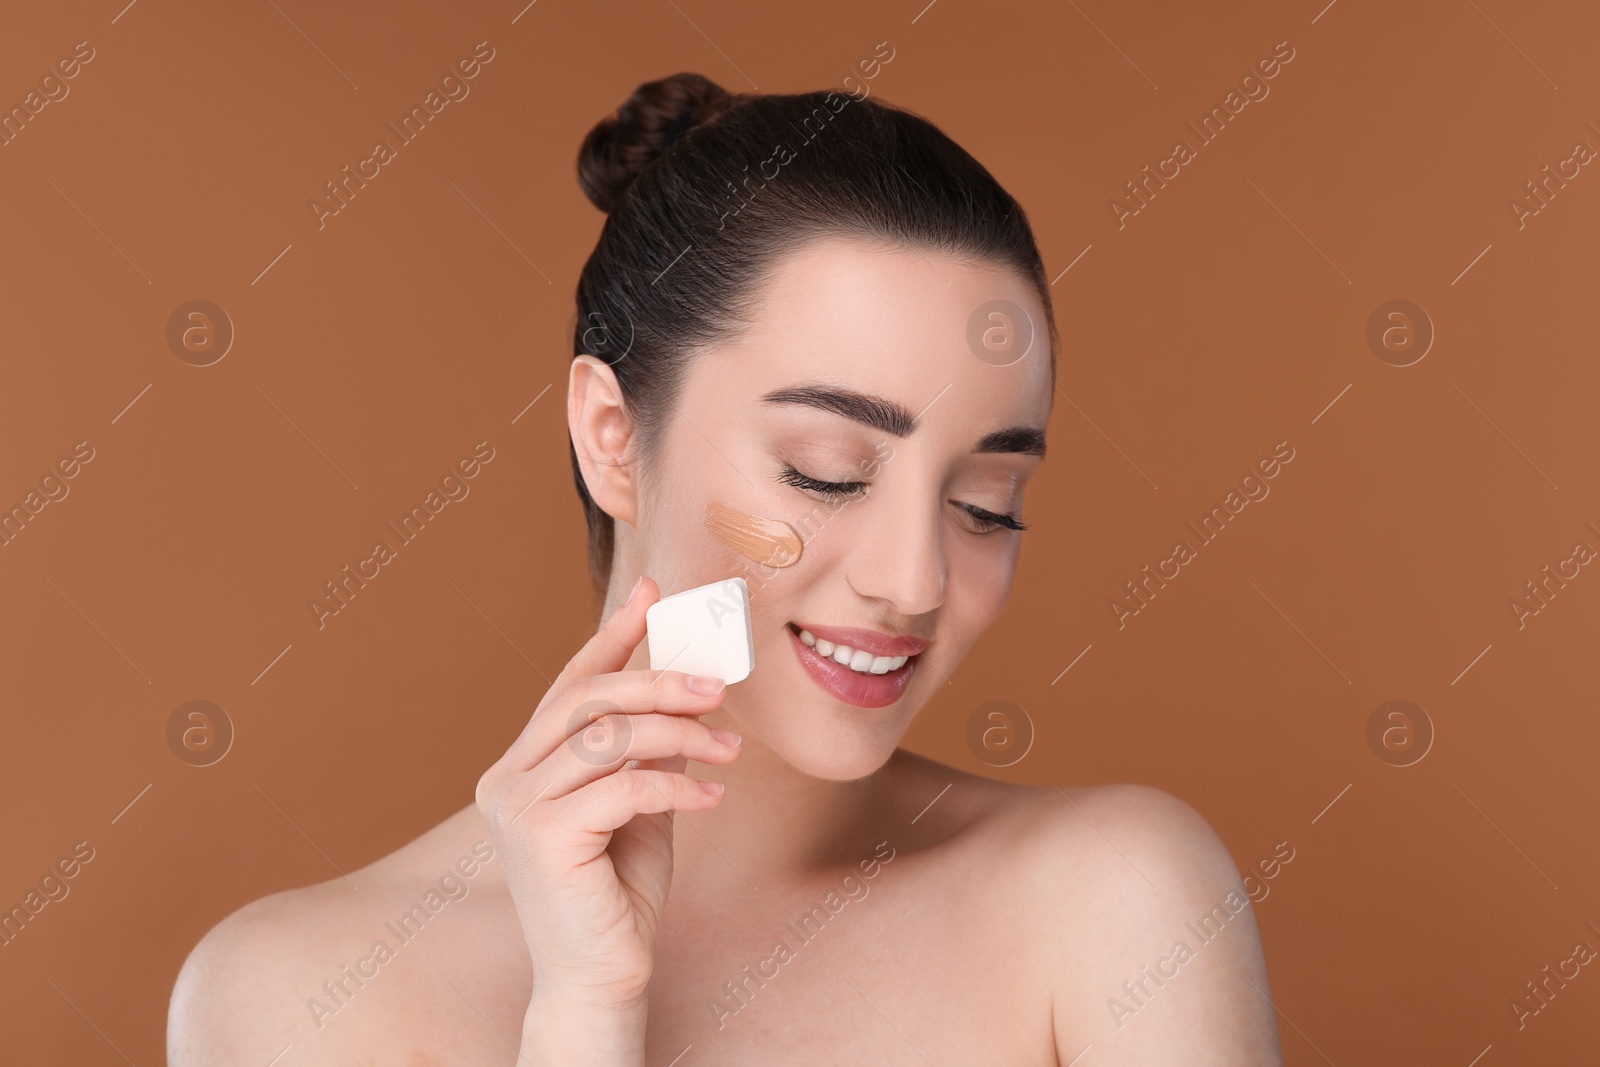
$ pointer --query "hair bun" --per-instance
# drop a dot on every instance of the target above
(624, 145)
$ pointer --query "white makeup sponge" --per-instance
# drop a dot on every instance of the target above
(705, 630)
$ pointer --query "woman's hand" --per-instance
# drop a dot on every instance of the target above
(585, 836)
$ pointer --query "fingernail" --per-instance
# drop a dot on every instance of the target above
(637, 582)
(704, 685)
(727, 737)
(714, 788)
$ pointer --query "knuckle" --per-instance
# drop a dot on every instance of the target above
(578, 691)
(491, 807)
(635, 786)
(485, 792)
(613, 732)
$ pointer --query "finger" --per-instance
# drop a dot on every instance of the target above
(665, 763)
(619, 737)
(606, 804)
(613, 644)
(576, 704)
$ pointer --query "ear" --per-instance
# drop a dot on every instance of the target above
(602, 435)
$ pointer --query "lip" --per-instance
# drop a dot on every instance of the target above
(879, 644)
(852, 687)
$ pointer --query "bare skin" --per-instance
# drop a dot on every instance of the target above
(843, 900)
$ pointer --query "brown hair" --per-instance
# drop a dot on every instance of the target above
(705, 189)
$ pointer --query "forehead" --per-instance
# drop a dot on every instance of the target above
(904, 323)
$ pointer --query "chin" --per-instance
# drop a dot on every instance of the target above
(825, 719)
(816, 743)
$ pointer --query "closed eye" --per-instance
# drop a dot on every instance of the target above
(984, 519)
(990, 520)
(831, 490)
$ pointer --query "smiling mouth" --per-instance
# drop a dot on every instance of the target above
(850, 685)
(858, 660)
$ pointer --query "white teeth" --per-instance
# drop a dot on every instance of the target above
(855, 659)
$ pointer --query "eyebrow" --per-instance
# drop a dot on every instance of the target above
(892, 418)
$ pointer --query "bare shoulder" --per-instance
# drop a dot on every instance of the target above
(274, 973)
(229, 1003)
(1099, 834)
(1060, 827)
(1087, 842)
(1155, 941)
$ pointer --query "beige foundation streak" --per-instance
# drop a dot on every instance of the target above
(769, 542)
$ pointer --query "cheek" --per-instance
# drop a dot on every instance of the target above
(980, 578)
(680, 552)
(673, 546)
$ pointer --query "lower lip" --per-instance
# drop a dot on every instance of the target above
(852, 687)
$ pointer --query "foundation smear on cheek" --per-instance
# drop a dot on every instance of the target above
(768, 542)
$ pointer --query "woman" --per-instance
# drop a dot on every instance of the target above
(790, 316)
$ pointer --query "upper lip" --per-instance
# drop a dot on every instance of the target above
(873, 641)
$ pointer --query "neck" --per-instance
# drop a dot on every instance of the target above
(776, 825)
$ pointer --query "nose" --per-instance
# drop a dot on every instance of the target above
(898, 560)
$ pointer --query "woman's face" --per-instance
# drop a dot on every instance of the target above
(858, 371)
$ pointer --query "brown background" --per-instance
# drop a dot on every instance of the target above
(426, 316)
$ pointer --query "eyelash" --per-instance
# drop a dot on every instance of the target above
(837, 490)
